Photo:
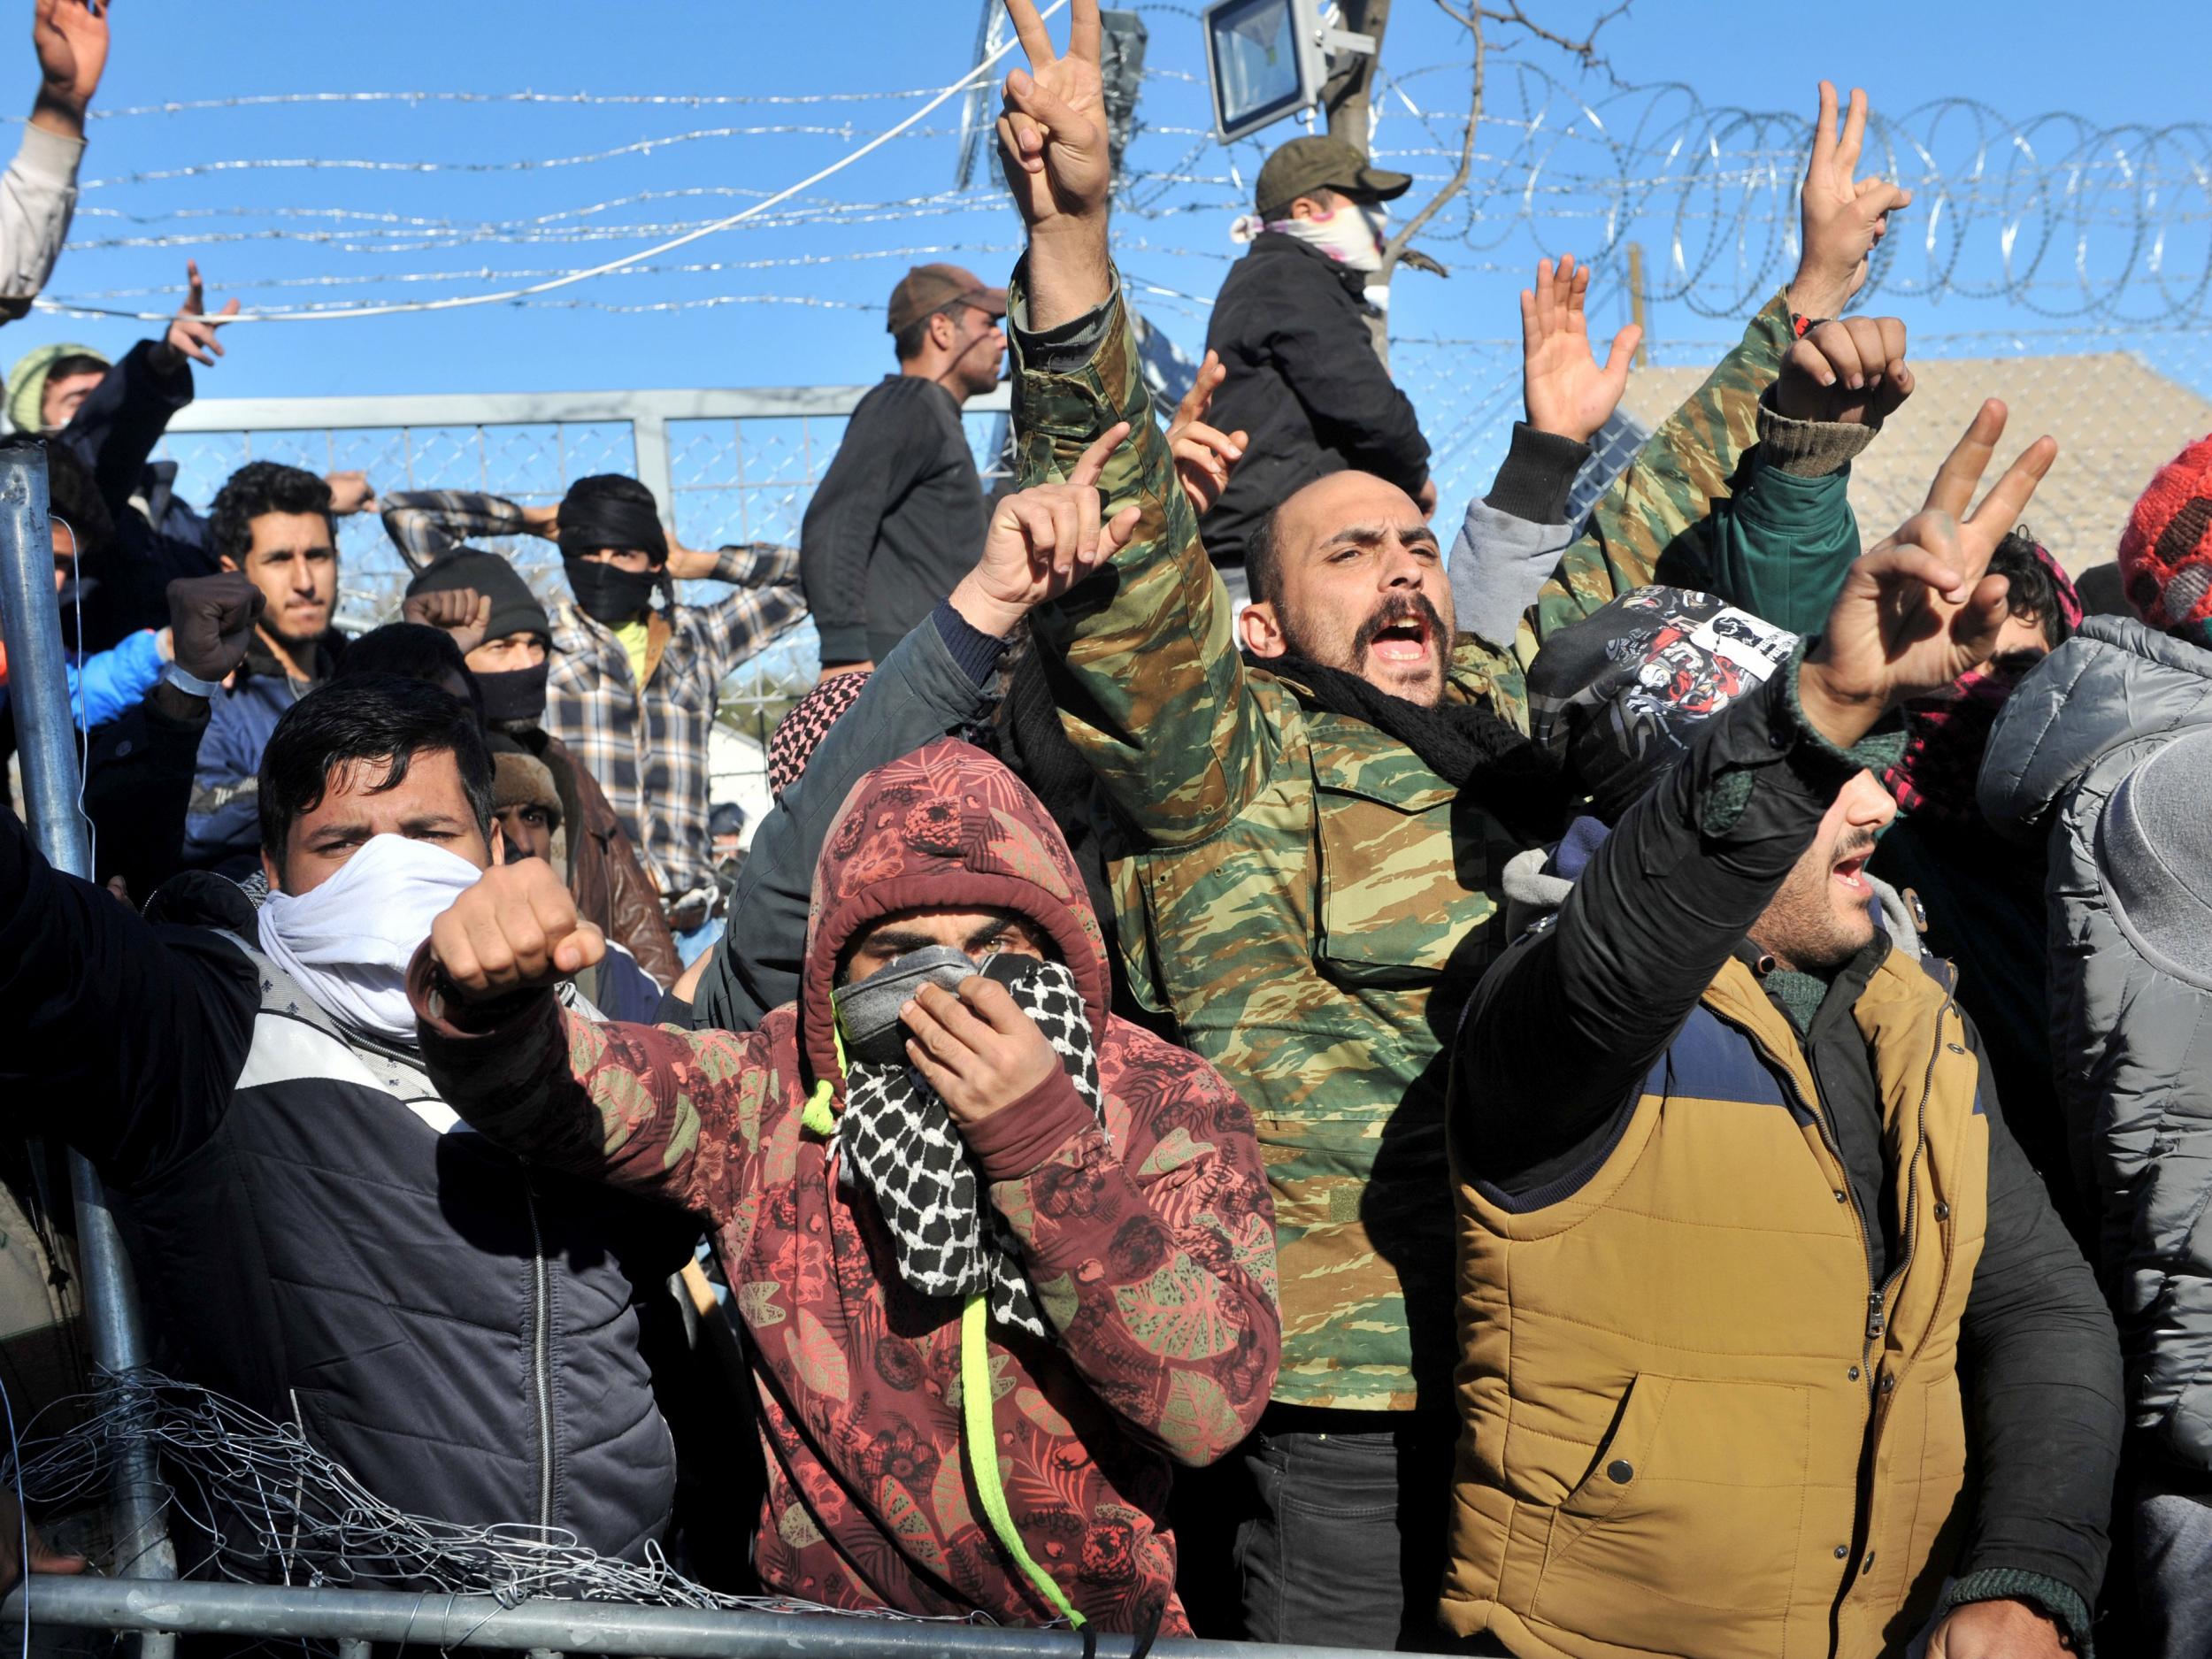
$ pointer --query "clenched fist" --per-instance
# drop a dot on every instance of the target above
(461, 611)
(516, 930)
(211, 622)
(1851, 371)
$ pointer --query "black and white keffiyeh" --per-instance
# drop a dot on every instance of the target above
(902, 1147)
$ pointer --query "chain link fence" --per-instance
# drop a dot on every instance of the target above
(2120, 402)
(735, 477)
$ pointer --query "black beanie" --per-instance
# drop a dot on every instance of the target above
(1619, 697)
(515, 608)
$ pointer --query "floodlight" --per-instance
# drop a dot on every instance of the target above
(1268, 59)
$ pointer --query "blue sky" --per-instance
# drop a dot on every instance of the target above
(2020, 60)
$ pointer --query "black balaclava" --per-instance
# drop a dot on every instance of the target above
(610, 512)
(516, 697)
(607, 593)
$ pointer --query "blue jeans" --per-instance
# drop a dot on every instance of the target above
(691, 946)
(2173, 1571)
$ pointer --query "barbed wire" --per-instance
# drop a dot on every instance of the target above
(2069, 219)
(264, 1506)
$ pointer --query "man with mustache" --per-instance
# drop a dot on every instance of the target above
(1308, 839)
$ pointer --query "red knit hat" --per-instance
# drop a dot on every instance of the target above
(2166, 550)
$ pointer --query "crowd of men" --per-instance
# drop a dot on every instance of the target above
(1644, 1088)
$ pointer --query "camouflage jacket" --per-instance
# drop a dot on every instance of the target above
(1311, 903)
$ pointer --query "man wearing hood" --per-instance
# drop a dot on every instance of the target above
(317, 1234)
(504, 636)
(1004, 1258)
(2101, 755)
(1771, 1340)
(632, 686)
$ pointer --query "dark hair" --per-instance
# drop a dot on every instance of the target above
(73, 497)
(373, 718)
(1263, 570)
(2034, 591)
(62, 368)
(908, 342)
(412, 650)
(258, 487)
(599, 487)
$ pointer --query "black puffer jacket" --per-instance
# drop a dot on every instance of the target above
(316, 1234)
(1304, 383)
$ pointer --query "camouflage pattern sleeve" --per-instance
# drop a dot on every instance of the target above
(1152, 1249)
(1142, 661)
(664, 1113)
(1652, 524)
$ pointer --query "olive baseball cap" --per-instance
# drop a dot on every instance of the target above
(1319, 163)
(929, 288)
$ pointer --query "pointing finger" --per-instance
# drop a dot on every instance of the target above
(1853, 134)
(1952, 488)
(1091, 464)
(1824, 132)
(2009, 496)
(1029, 28)
(1085, 32)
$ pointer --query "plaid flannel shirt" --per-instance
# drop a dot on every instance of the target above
(649, 753)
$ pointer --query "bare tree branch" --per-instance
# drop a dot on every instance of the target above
(1472, 20)
(1394, 249)
(1586, 48)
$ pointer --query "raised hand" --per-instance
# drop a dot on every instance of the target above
(71, 38)
(1562, 386)
(350, 493)
(516, 930)
(192, 331)
(544, 522)
(1042, 541)
(1843, 218)
(1052, 135)
(211, 622)
(1203, 456)
(461, 611)
(1918, 611)
(977, 1049)
(1851, 371)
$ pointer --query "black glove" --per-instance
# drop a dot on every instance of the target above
(210, 621)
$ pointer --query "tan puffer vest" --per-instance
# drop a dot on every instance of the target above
(1690, 1424)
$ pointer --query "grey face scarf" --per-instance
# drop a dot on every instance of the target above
(902, 1148)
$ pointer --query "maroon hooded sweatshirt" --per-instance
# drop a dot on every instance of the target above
(1151, 1245)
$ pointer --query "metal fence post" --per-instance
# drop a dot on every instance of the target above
(648, 444)
(38, 690)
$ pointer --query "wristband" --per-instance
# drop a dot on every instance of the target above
(176, 673)
(1800, 326)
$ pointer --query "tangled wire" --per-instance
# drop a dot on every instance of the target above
(263, 1506)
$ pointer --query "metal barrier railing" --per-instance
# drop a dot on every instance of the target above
(546, 1629)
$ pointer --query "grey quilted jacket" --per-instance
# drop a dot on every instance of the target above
(2107, 748)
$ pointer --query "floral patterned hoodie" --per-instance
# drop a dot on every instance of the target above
(1151, 1245)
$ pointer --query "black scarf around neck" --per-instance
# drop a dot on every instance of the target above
(1463, 743)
